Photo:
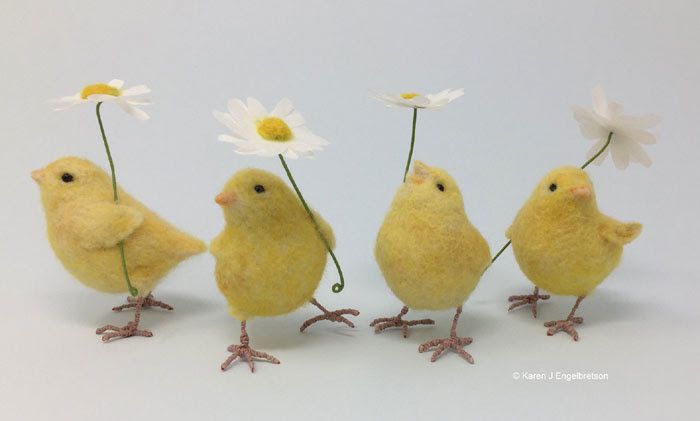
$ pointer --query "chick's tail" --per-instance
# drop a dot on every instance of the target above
(189, 246)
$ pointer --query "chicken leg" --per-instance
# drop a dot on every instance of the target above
(454, 342)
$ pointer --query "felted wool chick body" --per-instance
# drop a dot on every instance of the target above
(564, 244)
(85, 228)
(431, 256)
(270, 257)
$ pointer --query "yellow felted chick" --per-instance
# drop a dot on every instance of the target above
(431, 256)
(85, 227)
(564, 244)
(269, 258)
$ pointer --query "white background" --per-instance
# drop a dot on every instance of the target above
(522, 64)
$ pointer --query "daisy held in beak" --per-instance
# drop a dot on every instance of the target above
(127, 99)
(615, 133)
(418, 101)
(281, 132)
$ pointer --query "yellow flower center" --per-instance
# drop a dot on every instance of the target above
(409, 95)
(99, 88)
(274, 129)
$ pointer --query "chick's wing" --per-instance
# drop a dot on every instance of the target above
(100, 225)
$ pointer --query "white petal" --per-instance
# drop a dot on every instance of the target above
(442, 94)
(260, 147)
(225, 119)
(247, 150)
(283, 108)
(436, 105)
(136, 90)
(136, 112)
(255, 108)
(615, 110)
(231, 139)
(637, 135)
(138, 101)
(386, 99)
(640, 122)
(302, 147)
(294, 120)
(589, 124)
(102, 98)
(241, 129)
(238, 109)
(603, 122)
(67, 102)
(276, 147)
(455, 94)
(620, 154)
(267, 148)
(116, 83)
(583, 115)
(393, 101)
(291, 154)
(444, 97)
(637, 154)
(419, 101)
(246, 146)
(594, 132)
(600, 102)
(71, 98)
(305, 135)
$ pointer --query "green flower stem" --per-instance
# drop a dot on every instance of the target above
(413, 141)
(133, 291)
(337, 287)
(501, 251)
(607, 143)
(605, 146)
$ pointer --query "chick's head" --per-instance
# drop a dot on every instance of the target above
(432, 188)
(565, 188)
(72, 178)
(257, 196)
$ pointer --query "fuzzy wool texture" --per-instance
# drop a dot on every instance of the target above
(85, 226)
(561, 241)
(269, 257)
(431, 256)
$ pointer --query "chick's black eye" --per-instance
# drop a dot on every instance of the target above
(552, 187)
(259, 188)
(66, 177)
(440, 186)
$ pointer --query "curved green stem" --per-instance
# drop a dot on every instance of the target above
(593, 158)
(133, 291)
(413, 141)
(337, 287)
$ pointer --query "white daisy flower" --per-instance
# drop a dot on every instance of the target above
(628, 132)
(255, 131)
(112, 91)
(415, 100)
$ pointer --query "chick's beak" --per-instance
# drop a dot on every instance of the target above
(37, 175)
(420, 173)
(583, 192)
(225, 199)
